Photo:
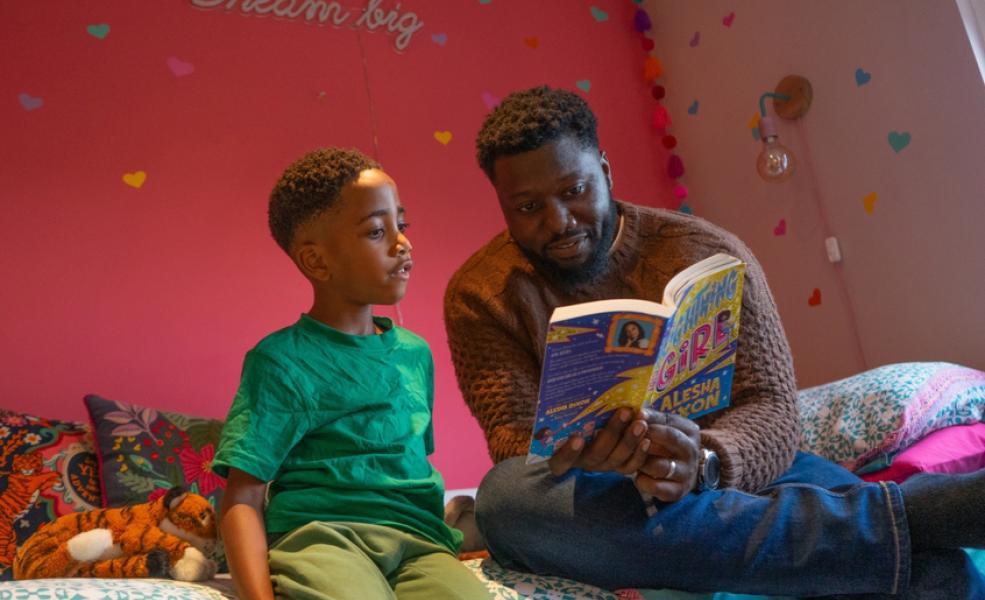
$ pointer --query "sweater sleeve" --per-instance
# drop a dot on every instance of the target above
(757, 436)
(497, 374)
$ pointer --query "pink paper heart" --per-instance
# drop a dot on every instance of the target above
(489, 100)
(781, 228)
(179, 67)
(727, 20)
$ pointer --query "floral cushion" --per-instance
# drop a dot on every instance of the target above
(887, 409)
(143, 452)
(49, 470)
(104, 589)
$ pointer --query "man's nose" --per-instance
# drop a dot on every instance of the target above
(558, 218)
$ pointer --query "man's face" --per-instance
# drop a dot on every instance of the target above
(557, 204)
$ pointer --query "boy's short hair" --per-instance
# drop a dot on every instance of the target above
(310, 186)
(528, 119)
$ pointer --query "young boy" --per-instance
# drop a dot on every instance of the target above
(335, 412)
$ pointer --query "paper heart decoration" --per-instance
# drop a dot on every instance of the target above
(647, 44)
(29, 102)
(485, 1)
(675, 166)
(439, 38)
(686, 209)
(861, 77)
(599, 14)
(98, 31)
(899, 140)
(869, 202)
(693, 109)
(652, 68)
(815, 299)
(669, 142)
(179, 67)
(641, 21)
(658, 92)
(695, 39)
(533, 42)
(661, 118)
(489, 100)
(727, 19)
(443, 136)
(584, 85)
(781, 228)
(135, 179)
(680, 192)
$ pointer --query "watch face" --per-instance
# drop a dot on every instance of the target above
(713, 471)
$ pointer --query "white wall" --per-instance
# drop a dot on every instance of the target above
(912, 284)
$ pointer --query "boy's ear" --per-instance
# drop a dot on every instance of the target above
(313, 262)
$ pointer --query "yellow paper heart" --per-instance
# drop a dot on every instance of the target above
(869, 202)
(135, 180)
(443, 136)
(754, 121)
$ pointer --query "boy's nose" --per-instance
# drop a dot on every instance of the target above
(403, 244)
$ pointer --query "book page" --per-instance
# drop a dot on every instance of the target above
(678, 284)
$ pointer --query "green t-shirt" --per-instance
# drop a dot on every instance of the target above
(341, 426)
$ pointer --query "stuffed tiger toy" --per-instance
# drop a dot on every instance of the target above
(168, 537)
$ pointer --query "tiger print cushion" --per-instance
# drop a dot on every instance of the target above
(49, 469)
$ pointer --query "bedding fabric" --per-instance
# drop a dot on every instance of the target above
(885, 410)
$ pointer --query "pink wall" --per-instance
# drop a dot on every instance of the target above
(151, 295)
(911, 284)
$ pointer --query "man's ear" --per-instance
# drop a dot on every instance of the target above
(606, 168)
(313, 262)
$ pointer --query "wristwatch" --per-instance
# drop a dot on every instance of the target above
(709, 470)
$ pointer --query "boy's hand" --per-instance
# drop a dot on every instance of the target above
(620, 446)
(671, 468)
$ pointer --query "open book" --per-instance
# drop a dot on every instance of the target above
(676, 356)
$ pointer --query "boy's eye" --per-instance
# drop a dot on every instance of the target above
(376, 233)
(402, 227)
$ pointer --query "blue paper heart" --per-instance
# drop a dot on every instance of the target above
(599, 14)
(861, 77)
(584, 85)
(693, 109)
(439, 38)
(99, 31)
(684, 208)
(899, 140)
(29, 102)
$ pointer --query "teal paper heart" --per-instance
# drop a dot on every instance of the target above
(599, 14)
(862, 77)
(99, 31)
(584, 85)
(899, 140)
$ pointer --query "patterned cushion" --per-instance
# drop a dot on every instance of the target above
(143, 452)
(49, 469)
(104, 589)
(885, 410)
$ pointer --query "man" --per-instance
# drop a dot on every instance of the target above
(734, 507)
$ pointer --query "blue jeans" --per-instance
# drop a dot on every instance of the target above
(817, 530)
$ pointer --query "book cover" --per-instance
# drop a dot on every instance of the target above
(674, 356)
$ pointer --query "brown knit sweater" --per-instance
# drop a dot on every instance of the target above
(497, 309)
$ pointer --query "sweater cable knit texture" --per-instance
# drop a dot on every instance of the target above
(497, 307)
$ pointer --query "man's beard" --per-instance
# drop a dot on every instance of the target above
(592, 269)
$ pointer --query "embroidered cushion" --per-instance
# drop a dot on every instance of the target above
(888, 409)
(49, 470)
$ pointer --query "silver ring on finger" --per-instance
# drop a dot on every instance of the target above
(673, 469)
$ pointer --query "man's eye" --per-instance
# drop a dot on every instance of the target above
(527, 207)
(575, 190)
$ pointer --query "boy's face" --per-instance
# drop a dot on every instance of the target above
(358, 247)
(557, 205)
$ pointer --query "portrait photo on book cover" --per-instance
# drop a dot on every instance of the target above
(634, 333)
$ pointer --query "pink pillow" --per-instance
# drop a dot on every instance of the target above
(955, 449)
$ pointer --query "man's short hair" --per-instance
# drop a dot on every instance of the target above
(310, 186)
(528, 119)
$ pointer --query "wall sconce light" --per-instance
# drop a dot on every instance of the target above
(791, 99)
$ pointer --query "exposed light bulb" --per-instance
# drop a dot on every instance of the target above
(775, 163)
